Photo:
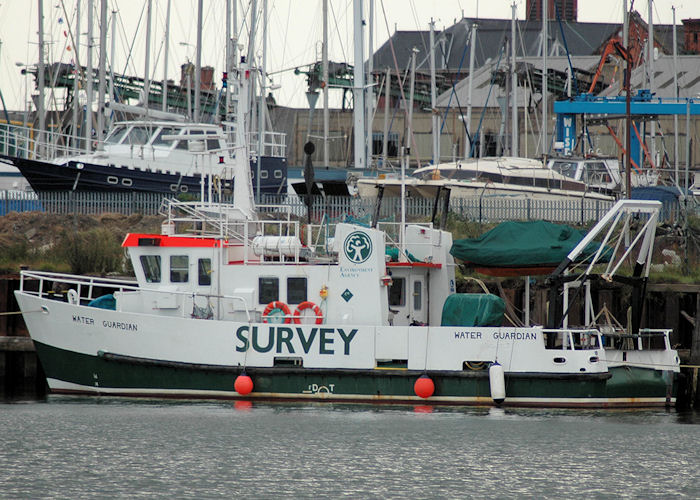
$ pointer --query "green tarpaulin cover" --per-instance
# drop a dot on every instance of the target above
(473, 309)
(522, 245)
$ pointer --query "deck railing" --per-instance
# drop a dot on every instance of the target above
(334, 208)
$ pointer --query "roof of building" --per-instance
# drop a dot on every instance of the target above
(581, 39)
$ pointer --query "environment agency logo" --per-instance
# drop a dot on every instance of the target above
(357, 247)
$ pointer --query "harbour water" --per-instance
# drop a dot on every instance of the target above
(117, 448)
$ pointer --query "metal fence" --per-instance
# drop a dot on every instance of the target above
(335, 208)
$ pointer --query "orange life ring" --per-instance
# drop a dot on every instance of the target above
(308, 305)
(277, 304)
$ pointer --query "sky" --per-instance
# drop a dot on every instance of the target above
(294, 33)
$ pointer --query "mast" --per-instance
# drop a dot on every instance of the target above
(628, 116)
(359, 88)
(41, 69)
(251, 63)
(407, 154)
(147, 68)
(324, 57)
(228, 56)
(675, 94)
(433, 96)
(262, 105)
(650, 57)
(472, 42)
(198, 63)
(76, 78)
(112, 55)
(101, 65)
(545, 12)
(164, 86)
(514, 87)
(387, 100)
(88, 80)
(369, 89)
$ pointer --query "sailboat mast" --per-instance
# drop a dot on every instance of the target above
(102, 68)
(675, 95)
(369, 91)
(164, 86)
(324, 57)
(76, 78)
(472, 43)
(545, 13)
(40, 101)
(650, 57)
(359, 88)
(88, 80)
(628, 116)
(147, 67)
(387, 101)
(514, 87)
(433, 96)
(262, 106)
(228, 56)
(198, 63)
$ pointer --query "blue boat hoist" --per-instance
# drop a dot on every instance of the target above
(643, 106)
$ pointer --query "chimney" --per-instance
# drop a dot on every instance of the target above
(691, 28)
(568, 10)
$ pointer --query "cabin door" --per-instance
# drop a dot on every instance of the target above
(408, 297)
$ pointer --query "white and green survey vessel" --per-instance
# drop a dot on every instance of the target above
(322, 314)
(245, 302)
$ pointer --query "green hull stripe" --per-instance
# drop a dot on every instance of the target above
(115, 373)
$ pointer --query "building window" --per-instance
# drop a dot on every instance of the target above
(268, 290)
(204, 272)
(151, 268)
(179, 269)
(296, 290)
(397, 295)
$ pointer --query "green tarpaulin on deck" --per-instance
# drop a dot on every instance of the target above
(473, 309)
(522, 245)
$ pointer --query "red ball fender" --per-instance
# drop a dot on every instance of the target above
(308, 305)
(277, 304)
(424, 387)
(243, 384)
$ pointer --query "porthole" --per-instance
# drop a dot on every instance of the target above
(278, 174)
(559, 361)
(173, 188)
(112, 180)
(183, 189)
(127, 182)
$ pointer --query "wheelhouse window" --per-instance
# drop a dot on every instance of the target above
(138, 136)
(204, 272)
(159, 141)
(397, 292)
(179, 269)
(268, 290)
(296, 290)
(116, 135)
(151, 268)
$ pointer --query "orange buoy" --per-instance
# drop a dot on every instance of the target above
(243, 384)
(424, 387)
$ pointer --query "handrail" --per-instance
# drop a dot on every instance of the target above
(122, 285)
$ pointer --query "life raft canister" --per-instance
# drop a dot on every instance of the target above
(279, 306)
(308, 305)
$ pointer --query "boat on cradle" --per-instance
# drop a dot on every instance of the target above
(228, 305)
(146, 156)
(510, 177)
